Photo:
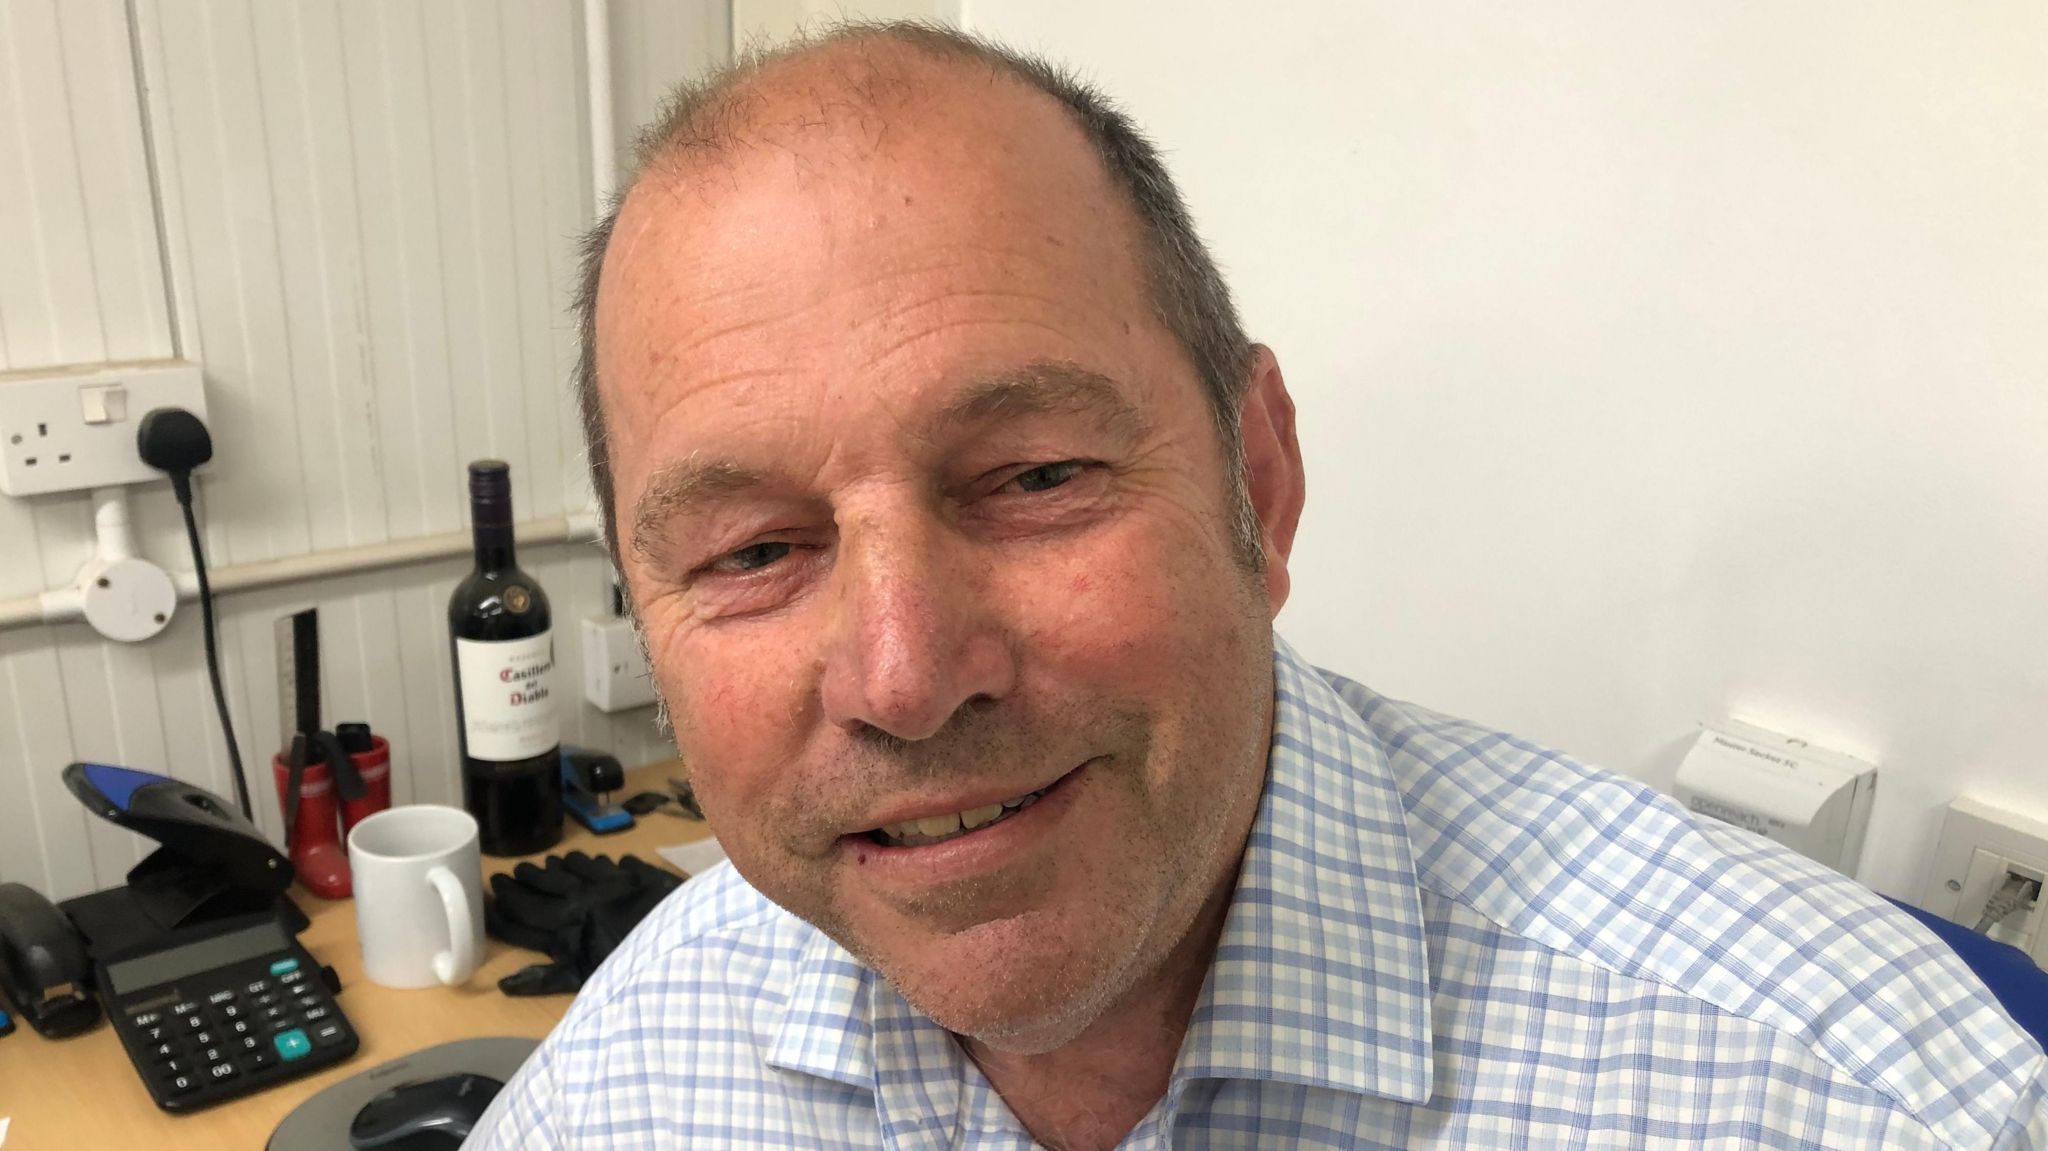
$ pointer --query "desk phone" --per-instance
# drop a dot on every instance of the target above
(235, 1009)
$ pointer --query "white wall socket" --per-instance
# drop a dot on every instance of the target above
(73, 429)
(1980, 846)
(615, 676)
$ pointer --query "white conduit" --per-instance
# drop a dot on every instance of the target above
(65, 604)
(110, 523)
(597, 78)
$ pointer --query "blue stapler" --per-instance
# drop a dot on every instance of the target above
(588, 780)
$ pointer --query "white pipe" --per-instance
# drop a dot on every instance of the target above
(110, 524)
(65, 604)
(152, 72)
(597, 54)
(582, 525)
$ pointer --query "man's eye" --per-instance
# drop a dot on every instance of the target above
(1046, 477)
(753, 557)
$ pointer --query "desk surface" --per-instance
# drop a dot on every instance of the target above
(83, 1092)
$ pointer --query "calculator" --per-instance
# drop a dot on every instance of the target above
(212, 1015)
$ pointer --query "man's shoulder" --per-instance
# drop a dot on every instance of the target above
(677, 1024)
(714, 920)
(1607, 870)
(715, 954)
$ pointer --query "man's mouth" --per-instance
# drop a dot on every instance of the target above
(940, 828)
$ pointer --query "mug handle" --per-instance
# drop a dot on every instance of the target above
(459, 962)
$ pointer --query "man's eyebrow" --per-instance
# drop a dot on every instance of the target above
(679, 487)
(1043, 387)
(1040, 386)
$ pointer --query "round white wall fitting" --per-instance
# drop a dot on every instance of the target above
(127, 599)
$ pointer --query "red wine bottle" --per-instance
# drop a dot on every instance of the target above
(503, 649)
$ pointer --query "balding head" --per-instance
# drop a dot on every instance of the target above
(824, 101)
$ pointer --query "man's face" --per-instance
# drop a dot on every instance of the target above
(925, 518)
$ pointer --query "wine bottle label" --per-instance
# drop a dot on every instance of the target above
(508, 705)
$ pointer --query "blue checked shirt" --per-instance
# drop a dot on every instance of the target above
(1441, 937)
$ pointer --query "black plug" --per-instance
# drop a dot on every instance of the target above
(174, 441)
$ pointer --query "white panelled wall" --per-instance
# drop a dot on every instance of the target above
(362, 225)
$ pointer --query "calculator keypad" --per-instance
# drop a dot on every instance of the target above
(237, 1038)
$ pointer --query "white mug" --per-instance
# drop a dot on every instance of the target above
(419, 887)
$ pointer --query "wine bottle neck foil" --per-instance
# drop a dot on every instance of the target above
(490, 512)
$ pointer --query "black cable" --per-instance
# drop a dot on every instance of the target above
(220, 695)
(174, 441)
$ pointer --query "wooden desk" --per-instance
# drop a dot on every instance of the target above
(84, 1093)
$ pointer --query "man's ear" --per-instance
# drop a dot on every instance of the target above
(1273, 470)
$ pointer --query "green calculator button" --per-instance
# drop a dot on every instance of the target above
(292, 1045)
(284, 965)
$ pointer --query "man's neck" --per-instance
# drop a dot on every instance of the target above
(1090, 1093)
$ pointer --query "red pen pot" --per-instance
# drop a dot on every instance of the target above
(374, 766)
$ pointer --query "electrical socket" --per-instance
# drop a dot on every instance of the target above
(1980, 846)
(73, 429)
(1990, 871)
(615, 675)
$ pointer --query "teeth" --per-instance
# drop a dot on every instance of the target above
(937, 828)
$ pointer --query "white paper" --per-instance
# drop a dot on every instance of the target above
(695, 857)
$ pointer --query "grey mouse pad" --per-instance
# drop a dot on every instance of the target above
(321, 1123)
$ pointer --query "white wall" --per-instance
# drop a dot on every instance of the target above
(1655, 361)
(761, 22)
(368, 211)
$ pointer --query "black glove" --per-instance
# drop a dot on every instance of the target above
(576, 909)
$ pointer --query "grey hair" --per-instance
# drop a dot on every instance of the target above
(1188, 292)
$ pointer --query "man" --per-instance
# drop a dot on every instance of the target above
(955, 509)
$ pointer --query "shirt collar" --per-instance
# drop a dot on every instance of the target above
(1321, 975)
(826, 1030)
(844, 1022)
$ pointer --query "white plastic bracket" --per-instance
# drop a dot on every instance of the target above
(123, 596)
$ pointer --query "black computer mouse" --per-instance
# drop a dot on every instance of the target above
(423, 1114)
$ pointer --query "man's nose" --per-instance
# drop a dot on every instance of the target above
(912, 638)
